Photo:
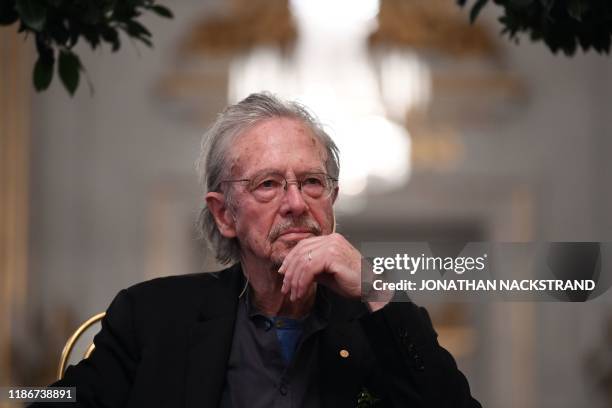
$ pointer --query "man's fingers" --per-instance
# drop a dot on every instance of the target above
(329, 260)
(294, 251)
(291, 264)
(302, 262)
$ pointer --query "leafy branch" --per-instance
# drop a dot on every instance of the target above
(563, 25)
(58, 25)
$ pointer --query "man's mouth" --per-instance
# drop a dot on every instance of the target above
(294, 230)
(296, 233)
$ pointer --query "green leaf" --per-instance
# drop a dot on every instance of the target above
(521, 3)
(601, 43)
(476, 9)
(42, 74)
(57, 31)
(90, 12)
(74, 32)
(69, 70)
(91, 35)
(8, 19)
(33, 13)
(575, 8)
(145, 40)
(111, 36)
(135, 29)
(8, 15)
(44, 49)
(162, 11)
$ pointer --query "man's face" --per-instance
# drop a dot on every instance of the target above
(268, 230)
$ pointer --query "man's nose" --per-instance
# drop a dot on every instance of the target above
(293, 202)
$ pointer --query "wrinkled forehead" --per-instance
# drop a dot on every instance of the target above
(280, 144)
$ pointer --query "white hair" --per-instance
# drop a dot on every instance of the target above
(212, 162)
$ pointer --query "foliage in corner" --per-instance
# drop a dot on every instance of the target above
(563, 25)
(57, 26)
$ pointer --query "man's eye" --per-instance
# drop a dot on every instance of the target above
(268, 184)
(312, 181)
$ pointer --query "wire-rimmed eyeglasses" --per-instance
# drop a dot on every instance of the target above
(269, 186)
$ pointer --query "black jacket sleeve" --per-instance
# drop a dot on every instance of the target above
(414, 370)
(105, 378)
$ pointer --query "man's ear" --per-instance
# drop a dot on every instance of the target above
(221, 213)
(334, 226)
(335, 194)
(334, 198)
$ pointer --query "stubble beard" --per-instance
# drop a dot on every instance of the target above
(278, 257)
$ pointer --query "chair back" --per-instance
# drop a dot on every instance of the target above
(72, 341)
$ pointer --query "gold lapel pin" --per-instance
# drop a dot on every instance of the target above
(344, 353)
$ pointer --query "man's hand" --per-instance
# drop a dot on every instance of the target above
(330, 260)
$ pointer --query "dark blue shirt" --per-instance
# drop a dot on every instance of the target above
(273, 361)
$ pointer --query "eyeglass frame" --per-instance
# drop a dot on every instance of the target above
(298, 183)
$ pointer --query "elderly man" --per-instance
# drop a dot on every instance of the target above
(284, 326)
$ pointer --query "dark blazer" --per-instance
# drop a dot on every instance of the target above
(166, 343)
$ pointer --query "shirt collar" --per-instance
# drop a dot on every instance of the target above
(321, 308)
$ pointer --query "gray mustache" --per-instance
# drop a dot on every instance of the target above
(306, 223)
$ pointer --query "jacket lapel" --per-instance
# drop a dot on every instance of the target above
(210, 340)
(341, 354)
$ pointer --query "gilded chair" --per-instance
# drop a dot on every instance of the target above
(73, 340)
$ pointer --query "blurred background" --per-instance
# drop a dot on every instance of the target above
(447, 133)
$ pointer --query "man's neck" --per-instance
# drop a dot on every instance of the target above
(266, 284)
